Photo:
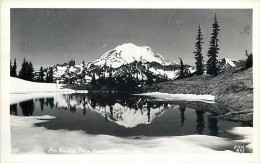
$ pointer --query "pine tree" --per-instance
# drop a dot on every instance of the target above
(181, 69)
(198, 53)
(14, 73)
(23, 72)
(249, 60)
(149, 80)
(212, 63)
(93, 82)
(83, 74)
(41, 74)
(11, 68)
(30, 74)
(49, 77)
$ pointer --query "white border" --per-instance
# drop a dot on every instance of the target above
(4, 72)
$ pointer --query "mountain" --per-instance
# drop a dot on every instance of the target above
(230, 65)
(141, 62)
(225, 63)
(129, 53)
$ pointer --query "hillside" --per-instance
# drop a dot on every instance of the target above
(233, 90)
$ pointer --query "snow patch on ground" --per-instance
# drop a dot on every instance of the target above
(27, 138)
(179, 97)
(246, 132)
(22, 86)
(169, 74)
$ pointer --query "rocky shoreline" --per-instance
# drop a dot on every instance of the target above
(233, 91)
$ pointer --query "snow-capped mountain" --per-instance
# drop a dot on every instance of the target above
(140, 62)
(128, 53)
(226, 64)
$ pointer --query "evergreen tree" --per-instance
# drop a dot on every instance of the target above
(24, 70)
(212, 63)
(83, 74)
(11, 68)
(249, 61)
(198, 53)
(14, 73)
(181, 69)
(49, 77)
(149, 80)
(93, 82)
(30, 74)
(41, 74)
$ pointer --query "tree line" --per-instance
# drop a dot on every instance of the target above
(27, 72)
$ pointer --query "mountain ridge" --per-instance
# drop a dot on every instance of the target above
(141, 62)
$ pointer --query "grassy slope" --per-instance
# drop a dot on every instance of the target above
(232, 89)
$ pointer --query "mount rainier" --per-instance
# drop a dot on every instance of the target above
(127, 58)
(140, 62)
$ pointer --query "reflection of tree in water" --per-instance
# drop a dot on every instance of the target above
(84, 111)
(47, 102)
(13, 109)
(72, 109)
(149, 114)
(41, 103)
(50, 102)
(103, 101)
(213, 126)
(27, 107)
(84, 101)
(106, 118)
(68, 99)
(111, 112)
(182, 110)
(93, 102)
(200, 121)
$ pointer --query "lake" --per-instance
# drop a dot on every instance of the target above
(121, 115)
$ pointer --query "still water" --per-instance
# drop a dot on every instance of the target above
(121, 115)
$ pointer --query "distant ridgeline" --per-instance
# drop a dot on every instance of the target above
(125, 68)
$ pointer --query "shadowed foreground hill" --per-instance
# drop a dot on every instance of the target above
(232, 89)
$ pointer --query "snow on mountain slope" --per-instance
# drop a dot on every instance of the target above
(230, 62)
(169, 74)
(225, 62)
(128, 53)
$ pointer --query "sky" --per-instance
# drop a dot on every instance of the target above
(54, 36)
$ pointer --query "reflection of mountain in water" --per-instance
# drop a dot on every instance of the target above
(126, 111)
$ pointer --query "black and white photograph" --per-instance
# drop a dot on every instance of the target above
(132, 81)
